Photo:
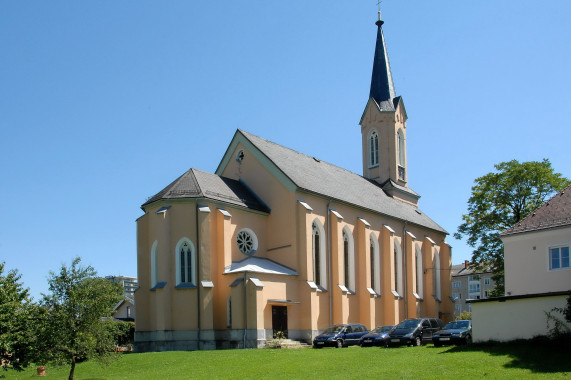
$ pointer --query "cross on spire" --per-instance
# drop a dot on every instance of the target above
(379, 7)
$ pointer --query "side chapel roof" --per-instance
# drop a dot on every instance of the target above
(198, 184)
(556, 212)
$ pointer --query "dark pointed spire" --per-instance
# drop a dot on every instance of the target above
(382, 87)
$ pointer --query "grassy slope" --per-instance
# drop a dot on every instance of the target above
(500, 361)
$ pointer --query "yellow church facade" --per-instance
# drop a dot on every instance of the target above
(279, 241)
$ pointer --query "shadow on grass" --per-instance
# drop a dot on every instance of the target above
(539, 355)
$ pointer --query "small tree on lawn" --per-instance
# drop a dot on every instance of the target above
(16, 320)
(73, 329)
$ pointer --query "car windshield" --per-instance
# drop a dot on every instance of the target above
(334, 329)
(408, 324)
(386, 329)
(457, 325)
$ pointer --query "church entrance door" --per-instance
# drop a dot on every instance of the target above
(279, 319)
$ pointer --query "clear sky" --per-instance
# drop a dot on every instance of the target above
(104, 103)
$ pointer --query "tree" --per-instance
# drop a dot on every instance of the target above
(499, 200)
(74, 329)
(16, 319)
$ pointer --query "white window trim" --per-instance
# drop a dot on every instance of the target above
(252, 234)
(322, 256)
(419, 271)
(376, 264)
(373, 164)
(351, 263)
(549, 248)
(192, 261)
(399, 284)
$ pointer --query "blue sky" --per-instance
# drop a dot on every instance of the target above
(104, 103)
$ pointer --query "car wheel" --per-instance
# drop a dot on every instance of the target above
(468, 339)
(418, 341)
(339, 343)
(437, 344)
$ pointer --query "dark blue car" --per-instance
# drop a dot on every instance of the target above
(340, 336)
(377, 337)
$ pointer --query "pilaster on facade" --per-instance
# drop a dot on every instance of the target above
(162, 294)
(204, 284)
(223, 238)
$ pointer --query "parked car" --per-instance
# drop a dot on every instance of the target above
(377, 337)
(340, 336)
(414, 331)
(457, 332)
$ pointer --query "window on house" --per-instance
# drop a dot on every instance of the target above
(486, 281)
(559, 257)
(373, 149)
(375, 264)
(486, 294)
(128, 311)
(372, 263)
(457, 307)
(185, 262)
(456, 284)
(154, 264)
(474, 288)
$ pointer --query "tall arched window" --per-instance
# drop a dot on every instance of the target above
(185, 262)
(348, 259)
(373, 149)
(375, 264)
(419, 272)
(398, 267)
(154, 263)
(318, 253)
(437, 275)
(400, 145)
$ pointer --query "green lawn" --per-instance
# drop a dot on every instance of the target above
(466, 362)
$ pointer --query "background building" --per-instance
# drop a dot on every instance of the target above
(468, 284)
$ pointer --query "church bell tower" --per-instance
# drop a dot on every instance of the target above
(383, 129)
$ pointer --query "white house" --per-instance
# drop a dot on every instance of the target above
(537, 275)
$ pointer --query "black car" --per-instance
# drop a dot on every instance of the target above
(377, 337)
(340, 336)
(414, 331)
(458, 332)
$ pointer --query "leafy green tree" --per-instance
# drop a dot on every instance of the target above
(74, 329)
(16, 319)
(499, 200)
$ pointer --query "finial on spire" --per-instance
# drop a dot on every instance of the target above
(379, 22)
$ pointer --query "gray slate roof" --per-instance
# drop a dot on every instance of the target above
(461, 270)
(198, 184)
(331, 181)
(255, 264)
(556, 212)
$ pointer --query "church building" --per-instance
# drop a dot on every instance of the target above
(279, 241)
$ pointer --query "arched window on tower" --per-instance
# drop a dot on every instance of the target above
(401, 155)
(154, 264)
(373, 149)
